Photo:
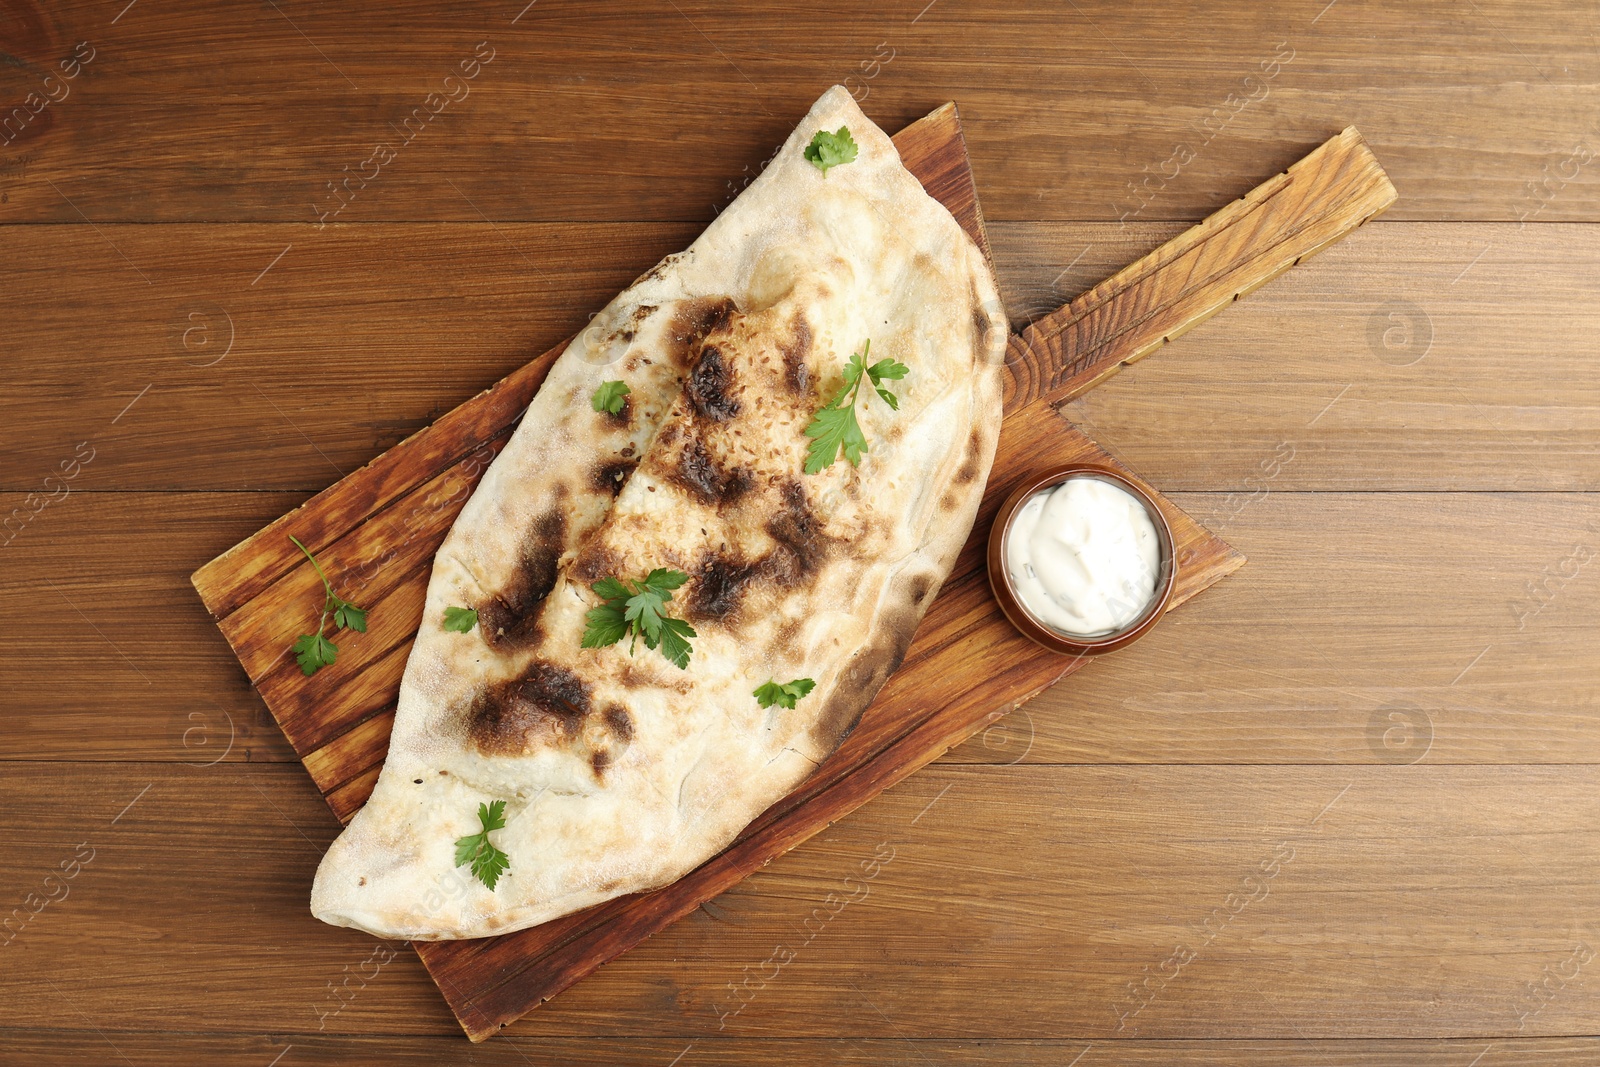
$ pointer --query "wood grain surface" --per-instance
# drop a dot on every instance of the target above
(1403, 434)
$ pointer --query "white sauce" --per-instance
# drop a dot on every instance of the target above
(1083, 556)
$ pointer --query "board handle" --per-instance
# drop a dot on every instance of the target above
(1243, 246)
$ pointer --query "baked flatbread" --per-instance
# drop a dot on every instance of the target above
(622, 772)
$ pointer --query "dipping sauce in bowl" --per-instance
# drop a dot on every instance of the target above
(1081, 559)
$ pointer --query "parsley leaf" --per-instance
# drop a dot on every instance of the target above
(460, 620)
(612, 589)
(610, 397)
(313, 651)
(350, 617)
(675, 634)
(662, 578)
(831, 149)
(887, 368)
(830, 430)
(786, 694)
(606, 626)
(639, 609)
(834, 427)
(488, 862)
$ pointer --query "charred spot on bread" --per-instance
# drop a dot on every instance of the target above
(973, 459)
(709, 386)
(611, 476)
(862, 678)
(865, 674)
(697, 471)
(696, 320)
(802, 544)
(618, 722)
(720, 584)
(595, 560)
(548, 699)
(795, 373)
(510, 617)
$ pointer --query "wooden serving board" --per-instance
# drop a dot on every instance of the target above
(377, 531)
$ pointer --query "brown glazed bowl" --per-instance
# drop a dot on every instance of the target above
(1054, 639)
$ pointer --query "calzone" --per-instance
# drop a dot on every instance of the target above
(619, 770)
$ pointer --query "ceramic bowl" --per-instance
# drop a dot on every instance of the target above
(1048, 636)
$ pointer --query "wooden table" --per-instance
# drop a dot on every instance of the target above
(1339, 810)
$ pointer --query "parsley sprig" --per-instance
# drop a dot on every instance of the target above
(831, 149)
(835, 427)
(639, 609)
(460, 620)
(610, 397)
(783, 694)
(313, 651)
(488, 862)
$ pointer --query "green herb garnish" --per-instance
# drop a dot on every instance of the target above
(488, 862)
(460, 620)
(835, 426)
(639, 608)
(831, 149)
(610, 397)
(784, 695)
(313, 651)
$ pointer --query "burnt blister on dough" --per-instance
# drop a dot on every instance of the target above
(612, 475)
(720, 584)
(548, 699)
(973, 460)
(510, 617)
(802, 544)
(694, 321)
(709, 481)
(709, 386)
(796, 375)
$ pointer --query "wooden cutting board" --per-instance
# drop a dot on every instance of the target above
(378, 530)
